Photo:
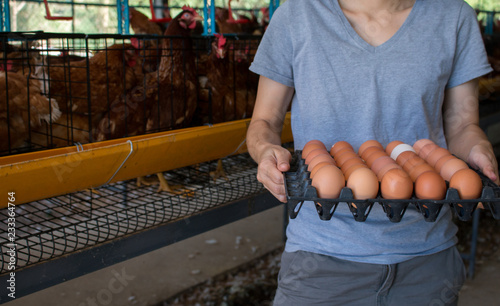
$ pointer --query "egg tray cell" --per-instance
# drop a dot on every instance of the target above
(299, 189)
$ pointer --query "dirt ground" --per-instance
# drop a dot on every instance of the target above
(255, 282)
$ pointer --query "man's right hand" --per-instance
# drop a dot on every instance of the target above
(273, 161)
(264, 135)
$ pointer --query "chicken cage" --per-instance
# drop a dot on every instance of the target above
(83, 116)
(60, 90)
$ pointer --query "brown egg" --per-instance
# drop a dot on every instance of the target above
(412, 163)
(386, 169)
(353, 168)
(419, 144)
(345, 156)
(435, 155)
(380, 163)
(353, 161)
(367, 144)
(430, 185)
(418, 170)
(427, 149)
(363, 183)
(341, 151)
(391, 146)
(315, 153)
(404, 157)
(320, 158)
(468, 184)
(396, 184)
(374, 156)
(367, 152)
(439, 164)
(317, 167)
(328, 182)
(450, 167)
(311, 145)
(339, 145)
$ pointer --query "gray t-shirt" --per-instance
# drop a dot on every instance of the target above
(346, 89)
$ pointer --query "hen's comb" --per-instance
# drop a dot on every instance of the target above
(221, 40)
(188, 8)
(135, 42)
(6, 67)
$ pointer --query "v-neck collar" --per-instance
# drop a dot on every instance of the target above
(388, 43)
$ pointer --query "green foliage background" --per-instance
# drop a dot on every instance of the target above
(488, 5)
(95, 16)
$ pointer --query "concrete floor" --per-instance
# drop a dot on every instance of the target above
(153, 277)
(484, 289)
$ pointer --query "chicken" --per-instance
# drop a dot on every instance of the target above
(64, 58)
(229, 88)
(6, 66)
(141, 25)
(227, 24)
(215, 104)
(109, 72)
(79, 126)
(69, 129)
(167, 98)
(148, 108)
(223, 22)
(148, 47)
(250, 25)
(8, 54)
(23, 108)
(229, 93)
(177, 84)
(23, 58)
(127, 116)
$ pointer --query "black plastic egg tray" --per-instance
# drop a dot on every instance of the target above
(299, 189)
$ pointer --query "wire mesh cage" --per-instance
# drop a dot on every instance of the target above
(53, 227)
(62, 89)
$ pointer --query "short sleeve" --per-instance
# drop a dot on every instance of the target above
(274, 57)
(470, 59)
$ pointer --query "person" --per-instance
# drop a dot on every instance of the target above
(356, 70)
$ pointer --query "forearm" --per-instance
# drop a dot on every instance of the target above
(261, 134)
(461, 143)
(265, 128)
(464, 136)
(461, 120)
(264, 135)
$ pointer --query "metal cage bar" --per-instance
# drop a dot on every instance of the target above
(4, 16)
(122, 10)
(209, 13)
(273, 5)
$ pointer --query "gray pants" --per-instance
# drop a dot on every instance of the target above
(312, 279)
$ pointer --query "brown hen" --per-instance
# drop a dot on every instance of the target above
(148, 47)
(227, 24)
(109, 72)
(230, 91)
(141, 25)
(68, 130)
(23, 107)
(167, 98)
